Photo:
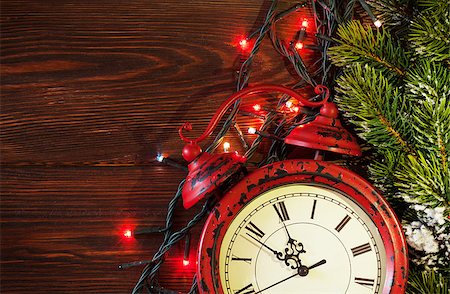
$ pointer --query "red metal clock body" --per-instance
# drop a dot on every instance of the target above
(302, 226)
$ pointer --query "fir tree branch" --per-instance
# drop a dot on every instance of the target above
(359, 45)
(382, 171)
(375, 107)
(428, 89)
(430, 35)
(437, 6)
(421, 179)
(426, 282)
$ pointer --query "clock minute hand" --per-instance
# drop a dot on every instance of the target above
(287, 232)
(273, 251)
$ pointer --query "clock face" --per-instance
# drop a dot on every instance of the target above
(302, 238)
(302, 226)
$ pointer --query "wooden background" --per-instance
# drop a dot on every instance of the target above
(91, 92)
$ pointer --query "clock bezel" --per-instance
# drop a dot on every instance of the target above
(309, 172)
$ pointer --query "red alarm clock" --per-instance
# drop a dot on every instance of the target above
(302, 226)
(295, 226)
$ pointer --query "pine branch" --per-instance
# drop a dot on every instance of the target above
(426, 282)
(360, 45)
(376, 107)
(437, 6)
(430, 35)
(396, 15)
(428, 89)
(382, 172)
(422, 180)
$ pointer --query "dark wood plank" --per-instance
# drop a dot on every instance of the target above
(61, 228)
(121, 76)
(90, 92)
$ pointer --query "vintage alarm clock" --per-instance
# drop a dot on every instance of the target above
(295, 226)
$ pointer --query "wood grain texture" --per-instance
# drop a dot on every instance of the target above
(91, 91)
(120, 76)
(61, 227)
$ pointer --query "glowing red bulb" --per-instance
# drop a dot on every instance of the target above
(257, 107)
(128, 234)
(243, 43)
(299, 45)
(305, 23)
(185, 262)
(296, 109)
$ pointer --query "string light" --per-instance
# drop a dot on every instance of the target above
(301, 35)
(257, 107)
(160, 157)
(289, 104)
(226, 147)
(377, 23)
(187, 249)
(305, 23)
(163, 159)
(299, 45)
(243, 43)
(128, 234)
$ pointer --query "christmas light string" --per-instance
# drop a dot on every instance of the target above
(326, 20)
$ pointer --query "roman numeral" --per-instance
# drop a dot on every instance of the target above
(313, 209)
(246, 290)
(281, 210)
(247, 260)
(361, 249)
(255, 230)
(365, 282)
(343, 222)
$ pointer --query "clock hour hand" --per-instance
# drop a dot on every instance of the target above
(323, 261)
(302, 271)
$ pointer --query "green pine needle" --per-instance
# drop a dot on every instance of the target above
(423, 180)
(359, 44)
(430, 35)
(428, 89)
(427, 282)
(376, 107)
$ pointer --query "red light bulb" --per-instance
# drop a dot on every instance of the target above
(185, 262)
(128, 234)
(243, 43)
(257, 107)
(305, 23)
(299, 45)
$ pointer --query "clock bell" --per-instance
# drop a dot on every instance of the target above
(208, 172)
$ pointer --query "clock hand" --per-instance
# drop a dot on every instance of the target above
(323, 261)
(273, 251)
(302, 271)
(279, 282)
(287, 232)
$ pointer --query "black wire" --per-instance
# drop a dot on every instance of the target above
(326, 18)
